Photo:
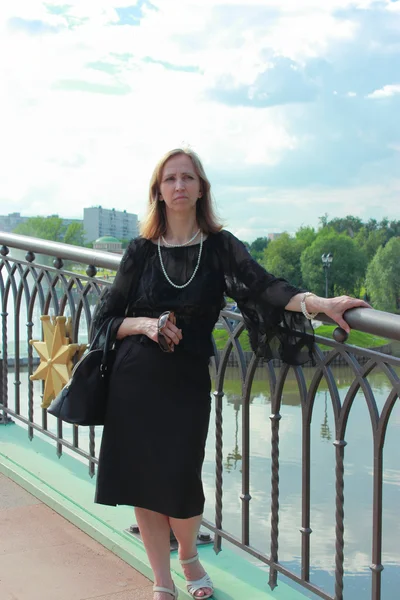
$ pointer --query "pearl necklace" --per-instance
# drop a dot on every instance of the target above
(180, 245)
(180, 287)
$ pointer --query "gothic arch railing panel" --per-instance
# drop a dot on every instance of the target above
(359, 383)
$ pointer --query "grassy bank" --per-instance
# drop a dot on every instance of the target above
(221, 337)
(356, 338)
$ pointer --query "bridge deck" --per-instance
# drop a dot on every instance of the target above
(44, 556)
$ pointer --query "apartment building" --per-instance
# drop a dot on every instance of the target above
(99, 222)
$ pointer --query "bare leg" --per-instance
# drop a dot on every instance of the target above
(155, 532)
(186, 531)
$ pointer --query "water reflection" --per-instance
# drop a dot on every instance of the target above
(358, 479)
(235, 456)
(325, 429)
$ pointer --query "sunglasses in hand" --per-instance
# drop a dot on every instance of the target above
(165, 344)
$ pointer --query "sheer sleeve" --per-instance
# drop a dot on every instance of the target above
(115, 300)
(261, 297)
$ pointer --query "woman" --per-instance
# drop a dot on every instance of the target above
(157, 421)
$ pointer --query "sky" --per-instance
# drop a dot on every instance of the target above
(292, 105)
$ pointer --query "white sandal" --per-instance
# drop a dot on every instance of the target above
(174, 593)
(195, 586)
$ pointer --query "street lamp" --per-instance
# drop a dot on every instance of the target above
(326, 263)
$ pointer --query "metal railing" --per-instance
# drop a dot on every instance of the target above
(27, 286)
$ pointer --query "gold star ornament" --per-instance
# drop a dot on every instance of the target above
(56, 352)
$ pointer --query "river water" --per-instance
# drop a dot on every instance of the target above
(358, 481)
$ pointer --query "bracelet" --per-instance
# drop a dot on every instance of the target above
(303, 307)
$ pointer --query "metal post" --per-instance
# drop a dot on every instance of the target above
(4, 418)
(326, 280)
(326, 263)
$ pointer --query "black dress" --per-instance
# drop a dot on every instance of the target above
(156, 426)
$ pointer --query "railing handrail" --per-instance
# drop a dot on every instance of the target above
(367, 320)
(98, 258)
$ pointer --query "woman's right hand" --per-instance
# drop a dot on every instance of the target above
(171, 332)
(148, 326)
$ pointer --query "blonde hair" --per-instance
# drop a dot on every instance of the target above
(155, 223)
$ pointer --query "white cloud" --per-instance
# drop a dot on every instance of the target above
(27, 9)
(79, 148)
(346, 198)
(119, 141)
(114, 140)
(385, 92)
(300, 37)
(199, 37)
(289, 6)
(393, 6)
(276, 210)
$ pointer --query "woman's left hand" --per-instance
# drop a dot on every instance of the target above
(336, 307)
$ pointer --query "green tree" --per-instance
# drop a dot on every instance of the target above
(369, 240)
(323, 221)
(53, 228)
(46, 228)
(392, 228)
(383, 277)
(350, 225)
(371, 225)
(347, 271)
(75, 234)
(373, 235)
(257, 248)
(282, 258)
(125, 243)
(306, 234)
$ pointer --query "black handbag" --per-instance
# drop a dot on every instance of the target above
(83, 400)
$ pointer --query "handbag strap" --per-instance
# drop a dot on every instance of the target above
(104, 358)
(98, 333)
